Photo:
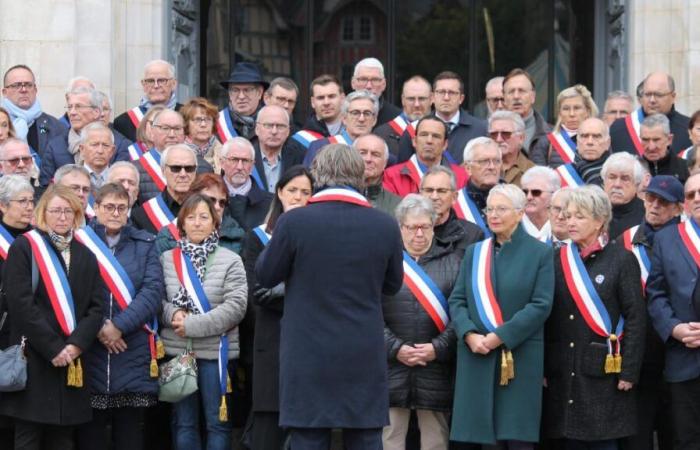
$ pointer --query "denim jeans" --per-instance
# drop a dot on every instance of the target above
(186, 413)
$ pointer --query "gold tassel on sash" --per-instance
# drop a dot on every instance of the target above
(78, 374)
(609, 363)
(160, 349)
(618, 363)
(223, 411)
(154, 368)
(71, 374)
(613, 363)
(504, 369)
(511, 364)
(229, 389)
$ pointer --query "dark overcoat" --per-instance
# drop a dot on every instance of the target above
(46, 398)
(336, 259)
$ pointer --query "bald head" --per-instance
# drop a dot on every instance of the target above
(658, 93)
(375, 154)
(416, 97)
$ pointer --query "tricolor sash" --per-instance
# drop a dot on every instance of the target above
(189, 280)
(258, 180)
(639, 252)
(135, 151)
(340, 194)
(342, 138)
(136, 116)
(684, 154)
(400, 124)
(90, 208)
(426, 292)
(690, 235)
(633, 121)
(263, 235)
(416, 168)
(568, 176)
(563, 145)
(150, 161)
(224, 126)
(160, 215)
(591, 306)
(487, 306)
(6, 240)
(466, 209)
(306, 137)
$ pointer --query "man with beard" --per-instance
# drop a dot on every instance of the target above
(622, 174)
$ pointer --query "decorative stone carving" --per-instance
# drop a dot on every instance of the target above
(184, 46)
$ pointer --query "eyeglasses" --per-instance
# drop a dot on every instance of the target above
(498, 211)
(78, 107)
(247, 91)
(273, 126)
(690, 195)
(440, 191)
(15, 161)
(505, 135)
(486, 161)
(21, 85)
(285, 100)
(167, 129)
(221, 202)
(177, 168)
(80, 189)
(155, 81)
(356, 113)
(535, 192)
(58, 212)
(24, 202)
(365, 80)
(202, 120)
(110, 208)
(556, 210)
(650, 95)
(445, 92)
(235, 161)
(415, 228)
(495, 101)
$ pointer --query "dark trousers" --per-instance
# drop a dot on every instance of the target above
(510, 445)
(653, 414)
(685, 411)
(320, 438)
(39, 436)
(572, 444)
(265, 433)
(117, 428)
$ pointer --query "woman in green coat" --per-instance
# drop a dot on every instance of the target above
(498, 308)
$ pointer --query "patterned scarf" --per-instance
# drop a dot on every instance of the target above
(246, 124)
(62, 244)
(198, 254)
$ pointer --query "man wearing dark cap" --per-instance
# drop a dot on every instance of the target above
(245, 88)
(663, 204)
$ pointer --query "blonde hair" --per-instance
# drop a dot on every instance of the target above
(577, 90)
(57, 190)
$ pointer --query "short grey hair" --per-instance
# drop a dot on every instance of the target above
(171, 68)
(511, 192)
(157, 115)
(127, 164)
(93, 97)
(71, 83)
(542, 172)
(657, 120)
(68, 169)
(95, 126)
(372, 63)
(360, 95)
(166, 152)
(612, 95)
(438, 169)
(495, 80)
(415, 205)
(623, 161)
(562, 192)
(386, 147)
(285, 83)
(593, 200)
(508, 115)
(338, 165)
(105, 96)
(11, 185)
(237, 141)
(478, 142)
(12, 140)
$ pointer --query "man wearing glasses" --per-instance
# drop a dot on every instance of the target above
(19, 98)
(508, 130)
(274, 151)
(159, 88)
(245, 88)
(248, 202)
(369, 76)
(658, 96)
(15, 158)
(168, 129)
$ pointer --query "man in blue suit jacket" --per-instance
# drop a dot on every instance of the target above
(671, 287)
(337, 257)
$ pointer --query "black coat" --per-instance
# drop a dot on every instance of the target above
(45, 128)
(333, 368)
(539, 138)
(620, 140)
(5, 327)
(458, 233)
(149, 189)
(581, 401)
(46, 398)
(468, 128)
(140, 218)
(292, 153)
(387, 112)
(250, 210)
(124, 125)
(406, 323)
(390, 136)
(626, 216)
(672, 165)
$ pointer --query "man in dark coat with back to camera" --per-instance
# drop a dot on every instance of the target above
(333, 365)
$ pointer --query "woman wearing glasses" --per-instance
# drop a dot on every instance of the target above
(59, 312)
(498, 309)
(200, 129)
(121, 367)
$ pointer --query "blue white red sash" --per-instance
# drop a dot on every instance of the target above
(482, 286)
(136, 116)
(563, 145)
(633, 122)
(416, 168)
(55, 281)
(684, 154)
(6, 240)
(90, 207)
(340, 194)
(400, 124)
(160, 215)
(135, 151)
(568, 176)
(256, 177)
(263, 235)
(426, 292)
(306, 137)
(466, 209)
(588, 302)
(189, 280)
(639, 252)
(690, 234)
(342, 138)
(150, 161)
(224, 126)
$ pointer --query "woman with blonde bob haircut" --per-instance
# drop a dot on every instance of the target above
(55, 335)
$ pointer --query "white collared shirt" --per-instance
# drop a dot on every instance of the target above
(543, 234)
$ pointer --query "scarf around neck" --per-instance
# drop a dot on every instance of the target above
(22, 119)
(198, 254)
(171, 103)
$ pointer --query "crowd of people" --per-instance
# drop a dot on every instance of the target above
(415, 276)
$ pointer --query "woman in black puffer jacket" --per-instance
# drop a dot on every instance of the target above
(420, 346)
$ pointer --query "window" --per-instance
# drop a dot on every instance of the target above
(357, 29)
